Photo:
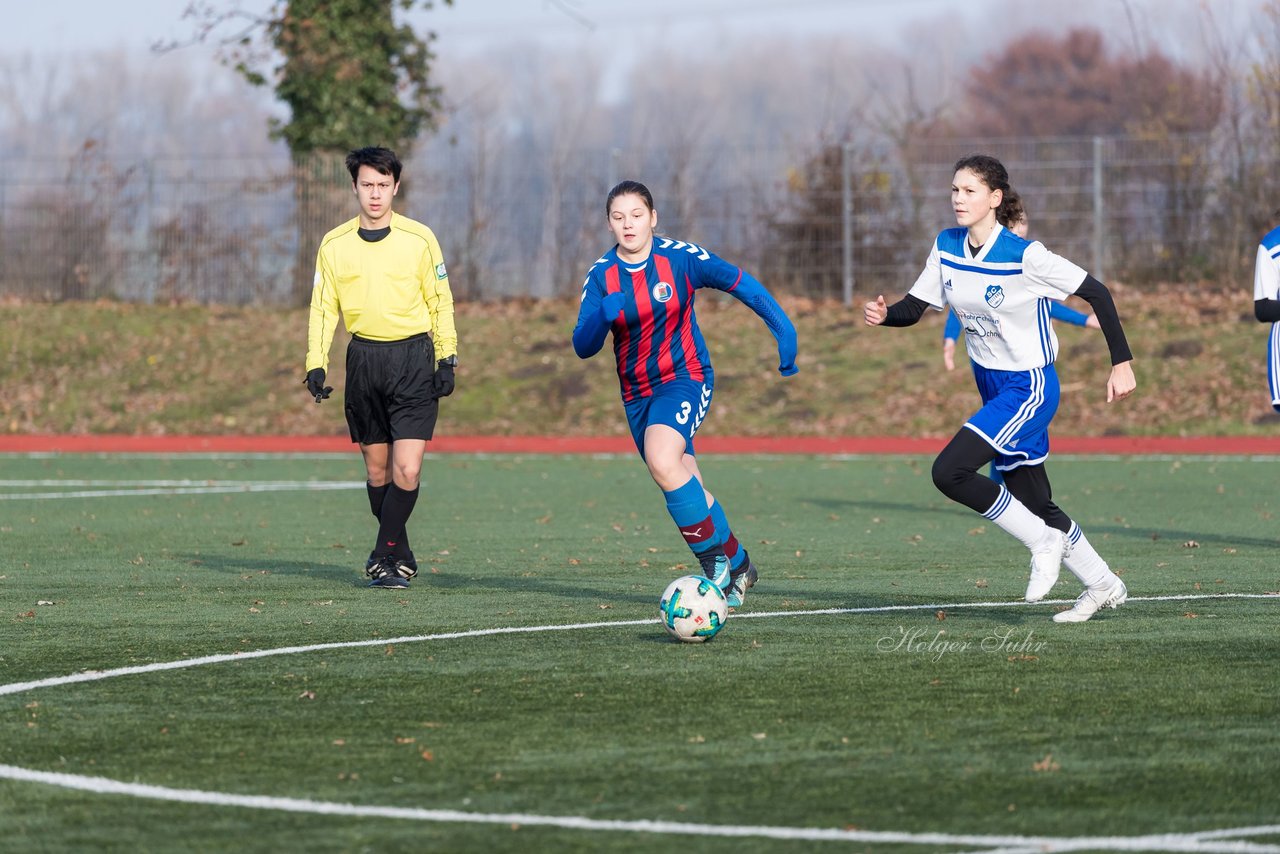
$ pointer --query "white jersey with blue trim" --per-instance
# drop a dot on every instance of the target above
(1266, 272)
(1266, 285)
(1001, 295)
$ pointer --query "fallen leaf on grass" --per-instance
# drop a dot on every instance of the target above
(1191, 616)
(238, 542)
(1046, 764)
(405, 739)
(941, 615)
(428, 756)
(1191, 544)
(307, 695)
(45, 602)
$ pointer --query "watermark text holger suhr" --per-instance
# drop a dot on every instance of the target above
(935, 644)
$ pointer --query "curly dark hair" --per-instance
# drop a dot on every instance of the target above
(996, 177)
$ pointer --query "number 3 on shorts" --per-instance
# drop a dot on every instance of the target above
(682, 417)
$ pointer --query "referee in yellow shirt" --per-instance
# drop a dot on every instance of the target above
(385, 275)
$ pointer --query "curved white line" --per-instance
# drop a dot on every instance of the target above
(179, 664)
(1166, 842)
(1202, 842)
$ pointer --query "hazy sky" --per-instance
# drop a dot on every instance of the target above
(43, 27)
(59, 25)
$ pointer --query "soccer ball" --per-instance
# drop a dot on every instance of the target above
(693, 609)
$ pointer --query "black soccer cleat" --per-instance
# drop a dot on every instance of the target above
(386, 573)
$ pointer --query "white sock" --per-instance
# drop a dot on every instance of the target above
(1084, 561)
(1013, 517)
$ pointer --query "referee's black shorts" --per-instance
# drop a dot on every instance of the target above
(390, 391)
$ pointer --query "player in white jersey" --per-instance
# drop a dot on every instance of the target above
(1000, 287)
(1266, 305)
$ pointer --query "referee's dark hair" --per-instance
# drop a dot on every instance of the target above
(382, 160)
(996, 177)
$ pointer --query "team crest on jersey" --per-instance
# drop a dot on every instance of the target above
(995, 295)
(440, 271)
(662, 291)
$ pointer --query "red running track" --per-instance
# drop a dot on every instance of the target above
(109, 444)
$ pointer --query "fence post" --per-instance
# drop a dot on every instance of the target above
(1099, 234)
(846, 237)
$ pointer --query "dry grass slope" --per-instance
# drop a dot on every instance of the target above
(116, 368)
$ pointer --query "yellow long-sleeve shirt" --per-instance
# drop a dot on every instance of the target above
(385, 290)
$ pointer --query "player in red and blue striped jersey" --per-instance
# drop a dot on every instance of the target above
(642, 290)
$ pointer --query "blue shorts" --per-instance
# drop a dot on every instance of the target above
(679, 404)
(1017, 407)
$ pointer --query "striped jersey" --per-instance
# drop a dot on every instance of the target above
(1266, 285)
(657, 339)
(1001, 295)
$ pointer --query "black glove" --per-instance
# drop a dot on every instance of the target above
(315, 384)
(444, 379)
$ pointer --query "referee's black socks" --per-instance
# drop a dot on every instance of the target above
(397, 507)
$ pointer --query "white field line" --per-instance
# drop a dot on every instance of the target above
(1206, 841)
(96, 675)
(173, 488)
(1164, 842)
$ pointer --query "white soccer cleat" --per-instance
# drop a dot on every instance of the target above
(1046, 561)
(1092, 601)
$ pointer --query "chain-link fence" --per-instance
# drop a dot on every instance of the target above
(526, 220)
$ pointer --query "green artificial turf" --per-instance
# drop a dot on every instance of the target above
(929, 702)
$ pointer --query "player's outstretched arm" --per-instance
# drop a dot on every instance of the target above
(756, 297)
(874, 313)
(1122, 382)
(949, 353)
(905, 312)
(1065, 314)
(1267, 310)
